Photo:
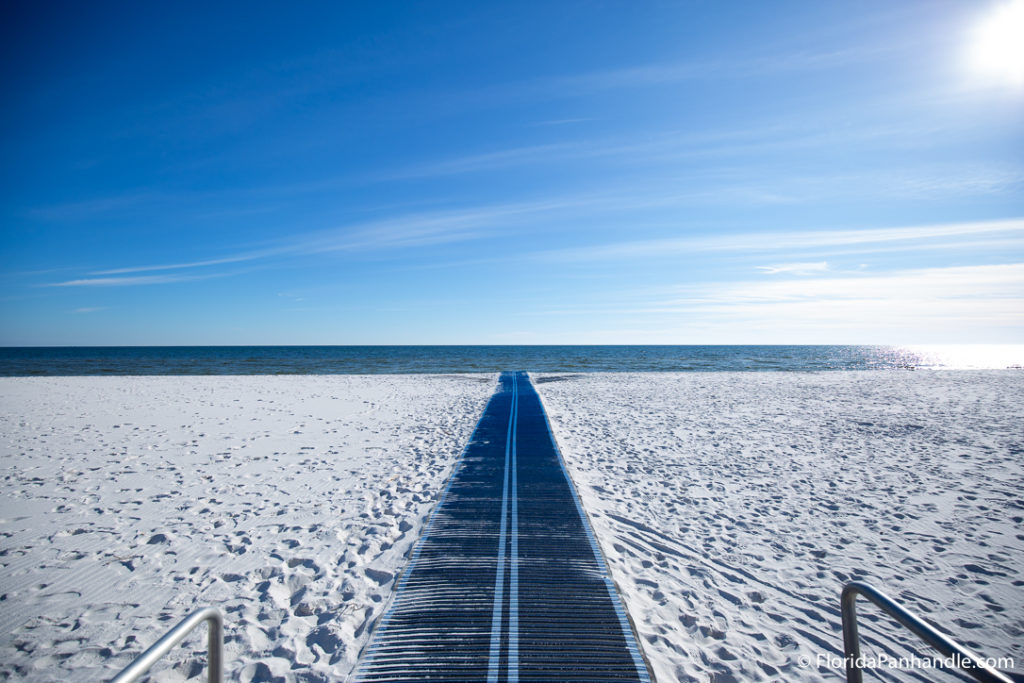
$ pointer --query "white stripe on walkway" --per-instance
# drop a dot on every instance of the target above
(499, 579)
(513, 587)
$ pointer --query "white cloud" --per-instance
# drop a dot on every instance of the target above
(486, 161)
(563, 122)
(773, 241)
(423, 229)
(664, 73)
(176, 266)
(93, 207)
(130, 281)
(796, 268)
(964, 304)
(1002, 282)
(956, 305)
(402, 232)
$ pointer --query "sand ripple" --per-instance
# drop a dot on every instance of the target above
(290, 502)
(734, 507)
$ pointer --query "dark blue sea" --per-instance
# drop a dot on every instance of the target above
(298, 360)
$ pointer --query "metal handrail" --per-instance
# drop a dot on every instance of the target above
(970, 663)
(215, 645)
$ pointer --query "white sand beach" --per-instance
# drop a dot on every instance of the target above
(731, 508)
(289, 502)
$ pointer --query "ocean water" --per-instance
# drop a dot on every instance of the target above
(275, 360)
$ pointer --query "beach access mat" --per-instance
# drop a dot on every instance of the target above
(507, 582)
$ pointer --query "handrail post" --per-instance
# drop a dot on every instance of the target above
(851, 637)
(215, 645)
(967, 661)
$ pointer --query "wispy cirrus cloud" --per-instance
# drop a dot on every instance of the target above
(565, 122)
(132, 281)
(924, 305)
(73, 211)
(503, 158)
(922, 182)
(928, 305)
(730, 162)
(666, 73)
(653, 148)
(403, 232)
(796, 268)
(662, 73)
(997, 282)
(430, 228)
(249, 256)
(789, 240)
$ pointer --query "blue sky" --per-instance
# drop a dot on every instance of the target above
(474, 173)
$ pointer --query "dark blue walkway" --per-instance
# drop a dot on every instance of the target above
(507, 582)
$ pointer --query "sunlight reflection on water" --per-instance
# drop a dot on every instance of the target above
(966, 356)
(257, 360)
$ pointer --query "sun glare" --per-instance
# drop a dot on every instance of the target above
(997, 50)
